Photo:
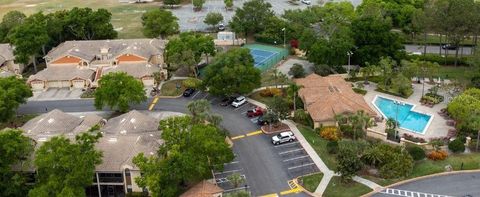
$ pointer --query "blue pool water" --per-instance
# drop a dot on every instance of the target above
(407, 118)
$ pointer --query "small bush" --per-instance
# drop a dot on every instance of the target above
(322, 70)
(297, 71)
(416, 152)
(271, 92)
(456, 146)
(330, 133)
(437, 155)
(360, 91)
(192, 83)
(439, 59)
(332, 147)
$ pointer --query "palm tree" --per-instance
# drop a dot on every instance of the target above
(199, 110)
(368, 71)
(292, 92)
(236, 179)
(360, 121)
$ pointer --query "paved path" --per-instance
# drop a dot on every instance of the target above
(435, 49)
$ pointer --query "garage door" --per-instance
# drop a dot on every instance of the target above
(37, 85)
(78, 83)
(66, 84)
(148, 81)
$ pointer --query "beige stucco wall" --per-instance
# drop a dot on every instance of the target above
(317, 124)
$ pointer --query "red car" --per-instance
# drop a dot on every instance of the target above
(258, 111)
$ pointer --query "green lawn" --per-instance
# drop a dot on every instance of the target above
(169, 88)
(126, 18)
(311, 182)
(17, 121)
(431, 39)
(336, 188)
(319, 144)
(453, 72)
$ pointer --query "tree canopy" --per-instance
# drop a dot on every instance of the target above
(213, 19)
(466, 106)
(64, 167)
(252, 17)
(13, 92)
(119, 90)
(9, 21)
(14, 148)
(189, 153)
(232, 73)
(159, 23)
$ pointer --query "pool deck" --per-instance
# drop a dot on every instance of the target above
(437, 127)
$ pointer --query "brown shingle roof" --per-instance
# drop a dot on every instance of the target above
(62, 73)
(137, 70)
(203, 189)
(131, 123)
(324, 97)
(6, 53)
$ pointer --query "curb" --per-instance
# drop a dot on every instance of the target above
(170, 96)
(419, 178)
(268, 133)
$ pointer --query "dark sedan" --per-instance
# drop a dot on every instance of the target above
(227, 101)
(188, 92)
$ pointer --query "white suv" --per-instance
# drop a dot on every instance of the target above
(308, 2)
(283, 137)
(239, 101)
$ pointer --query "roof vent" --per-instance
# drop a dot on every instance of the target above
(112, 139)
(51, 120)
(123, 132)
(132, 120)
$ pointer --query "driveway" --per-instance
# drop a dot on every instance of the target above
(462, 184)
(56, 94)
(267, 168)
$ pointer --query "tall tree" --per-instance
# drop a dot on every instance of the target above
(9, 21)
(87, 24)
(213, 19)
(292, 91)
(201, 112)
(14, 148)
(232, 73)
(189, 154)
(159, 23)
(65, 168)
(29, 39)
(119, 90)
(13, 92)
(252, 17)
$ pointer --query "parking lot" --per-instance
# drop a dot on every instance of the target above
(295, 160)
(222, 178)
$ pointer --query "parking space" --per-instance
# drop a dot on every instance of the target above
(295, 159)
(222, 178)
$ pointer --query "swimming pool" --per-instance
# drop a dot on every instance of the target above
(403, 112)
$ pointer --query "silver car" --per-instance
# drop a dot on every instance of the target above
(283, 137)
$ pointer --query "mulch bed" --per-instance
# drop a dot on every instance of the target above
(280, 127)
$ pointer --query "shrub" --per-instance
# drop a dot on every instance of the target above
(456, 146)
(192, 83)
(271, 92)
(322, 70)
(297, 71)
(360, 91)
(302, 117)
(439, 59)
(398, 165)
(416, 152)
(330, 133)
(332, 147)
(437, 155)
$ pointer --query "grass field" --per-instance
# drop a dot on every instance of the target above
(336, 188)
(311, 182)
(169, 88)
(126, 18)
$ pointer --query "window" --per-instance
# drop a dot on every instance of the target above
(110, 177)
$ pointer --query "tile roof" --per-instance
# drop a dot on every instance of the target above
(203, 189)
(89, 49)
(324, 97)
(131, 122)
(118, 151)
(137, 70)
(62, 73)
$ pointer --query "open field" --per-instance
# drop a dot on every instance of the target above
(126, 18)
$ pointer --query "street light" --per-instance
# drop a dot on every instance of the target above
(349, 53)
(284, 37)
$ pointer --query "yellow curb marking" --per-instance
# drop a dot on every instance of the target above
(155, 100)
(296, 190)
(254, 133)
(238, 137)
(270, 195)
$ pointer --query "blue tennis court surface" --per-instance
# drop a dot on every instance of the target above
(266, 56)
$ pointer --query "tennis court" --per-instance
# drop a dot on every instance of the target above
(266, 56)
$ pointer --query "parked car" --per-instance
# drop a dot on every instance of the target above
(239, 101)
(283, 137)
(221, 27)
(308, 2)
(227, 101)
(261, 120)
(188, 92)
(257, 111)
(449, 47)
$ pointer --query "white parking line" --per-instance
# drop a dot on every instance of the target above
(285, 144)
(295, 158)
(290, 151)
(235, 189)
(233, 162)
(239, 107)
(304, 165)
(244, 112)
(195, 94)
(229, 171)
(205, 96)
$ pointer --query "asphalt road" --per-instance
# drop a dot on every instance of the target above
(261, 164)
(464, 184)
(435, 49)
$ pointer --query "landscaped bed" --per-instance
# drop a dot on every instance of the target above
(172, 88)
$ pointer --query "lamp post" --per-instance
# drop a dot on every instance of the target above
(284, 37)
(349, 53)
